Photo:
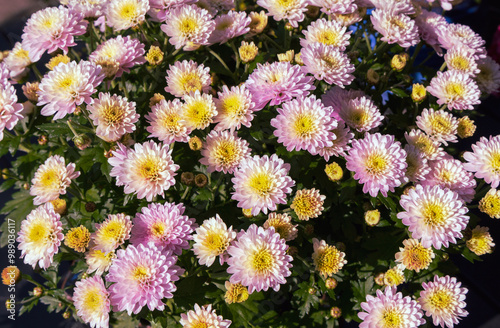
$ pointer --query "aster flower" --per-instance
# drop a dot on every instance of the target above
(77, 238)
(198, 110)
(480, 241)
(223, 151)
(378, 162)
(440, 125)
(203, 317)
(166, 123)
(360, 114)
(91, 301)
(330, 33)
(308, 204)
(258, 259)
(343, 137)
(282, 224)
(395, 28)
(490, 203)
(443, 299)
(216, 6)
(98, 261)
(212, 239)
(292, 10)
(94, 8)
(394, 276)
(143, 275)
(433, 214)
(278, 82)
(390, 309)
(328, 260)
(260, 183)
(112, 233)
(124, 14)
(418, 167)
(484, 160)
(396, 6)
(461, 58)
(428, 22)
(161, 8)
(67, 86)
(457, 90)
(186, 77)
(330, 7)
(50, 29)
(229, 26)
(17, 60)
(425, 144)
(235, 293)
(51, 179)
(10, 110)
(488, 78)
(40, 236)
(414, 256)
(452, 35)
(235, 108)
(188, 27)
(164, 225)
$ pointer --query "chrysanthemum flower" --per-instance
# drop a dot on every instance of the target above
(113, 115)
(308, 204)
(56, 60)
(480, 241)
(51, 179)
(292, 10)
(50, 29)
(456, 89)
(143, 275)
(352, 18)
(282, 224)
(77, 238)
(223, 151)
(488, 78)
(440, 125)
(340, 144)
(395, 28)
(336, 97)
(230, 25)
(113, 232)
(258, 259)
(414, 256)
(161, 8)
(398, 7)
(360, 114)
(235, 293)
(94, 8)
(328, 260)
(484, 160)
(260, 183)
(452, 35)
(304, 123)
(378, 162)
(40, 236)
(11, 274)
(203, 317)
(435, 215)
(198, 110)
(17, 60)
(461, 58)
(428, 23)
(216, 6)
(330, 7)
(490, 203)
(164, 225)
(444, 300)
(278, 82)
(418, 167)
(98, 261)
(327, 63)
(212, 239)
(235, 108)
(390, 309)
(394, 276)
(124, 14)
(67, 86)
(425, 144)
(166, 123)
(330, 33)
(10, 110)
(186, 77)
(188, 26)
(258, 23)
(91, 301)
(466, 127)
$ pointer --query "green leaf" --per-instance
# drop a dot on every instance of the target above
(399, 92)
(7, 184)
(56, 129)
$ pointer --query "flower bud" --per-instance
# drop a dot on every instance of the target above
(247, 212)
(312, 11)
(398, 62)
(372, 217)
(379, 279)
(37, 291)
(155, 99)
(334, 171)
(288, 26)
(298, 59)
(466, 127)
(287, 56)
(187, 178)
(30, 91)
(418, 93)
(372, 76)
(236, 293)
(11, 275)
(335, 312)
(66, 314)
(59, 206)
(154, 56)
(82, 141)
(331, 283)
(312, 290)
(5, 173)
(248, 51)
(90, 207)
(42, 140)
(195, 143)
(200, 180)
(26, 186)
(258, 22)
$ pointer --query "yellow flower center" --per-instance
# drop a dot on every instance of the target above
(328, 261)
(198, 114)
(47, 22)
(376, 164)
(190, 82)
(158, 229)
(112, 231)
(170, 121)
(304, 126)
(392, 319)
(262, 261)
(440, 125)
(459, 63)
(358, 117)
(233, 106)
(199, 324)
(417, 257)
(495, 162)
(128, 11)
(227, 153)
(92, 301)
(490, 204)
(425, 145)
(113, 115)
(446, 176)
(54, 61)
(395, 21)
(304, 205)
(441, 300)
(50, 179)
(215, 242)
(261, 183)
(150, 169)
(38, 233)
(330, 62)
(285, 4)
(329, 37)
(188, 26)
(141, 274)
(66, 82)
(393, 278)
(454, 89)
(434, 215)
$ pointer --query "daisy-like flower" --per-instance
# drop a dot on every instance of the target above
(480, 241)
(337, 97)
(330, 7)
(278, 82)
(124, 14)
(50, 29)
(166, 123)
(212, 239)
(461, 58)
(490, 203)
(17, 60)
(360, 114)
(10, 110)
(235, 293)
(488, 78)
(113, 232)
(390, 309)
(418, 167)
(77, 238)
(452, 35)
(98, 261)
(396, 6)
(188, 27)
(161, 8)
(327, 259)
(118, 55)
(164, 225)
(395, 28)
(40, 236)
(304, 123)
(235, 108)
(327, 63)
(216, 6)
(260, 183)
(428, 23)
(51, 179)
(230, 25)
(282, 224)
(456, 89)
(308, 204)
(414, 256)
(425, 144)
(258, 259)
(292, 10)
(394, 276)
(186, 77)
(113, 115)
(433, 214)
(67, 86)
(93, 8)
(91, 301)
(143, 275)
(378, 162)
(484, 160)
(203, 317)
(444, 300)
(340, 144)
(440, 125)
(223, 151)
(198, 110)
(330, 33)
(351, 18)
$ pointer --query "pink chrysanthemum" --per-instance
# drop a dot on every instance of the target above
(327, 63)
(51, 29)
(223, 151)
(189, 27)
(40, 236)
(98, 261)
(124, 14)
(395, 28)
(260, 183)
(164, 225)
(330, 33)
(328, 260)
(166, 123)
(390, 309)
(484, 160)
(143, 275)
(418, 167)
(360, 114)
(230, 25)
(337, 97)
(258, 259)
(112, 233)
(488, 78)
(94, 8)
(304, 123)
(278, 82)
(116, 161)
(17, 60)
(452, 35)
(161, 8)
(439, 125)
(433, 214)
(203, 317)
(186, 77)
(428, 22)
(235, 108)
(444, 300)
(198, 110)
(395, 6)
(10, 110)
(292, 10)
(91, 301)
(378, 162)
(461, 58)
(425, 144)
(340, 144)
(51, 179)
(456, 89)
(67, 86)
(330, 7)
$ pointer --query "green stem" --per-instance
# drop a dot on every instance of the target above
(236, 54)
(37, 72)
(442, 67)
(273, 42)
(368, 45)
(71, 128)
(223, 63)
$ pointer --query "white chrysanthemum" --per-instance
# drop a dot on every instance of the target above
(451, 35)
(223, 151)
(418, 167)
(98, 261)
(124, 14)
(291, 10)
(198, 110)
(360, 114)
(230, 25)
(235, 108)
(484, 160)
(425, 144)
(186, 77)
(166, 122)
(330, 33)
(91, 301)
(203, 317)
(461, 58)
(89, 8)
(112, 233)
(488, 78)
(396, 6)
(439, 125)
(456, 89)
(330, 7)
(395, 28)
(17, 60)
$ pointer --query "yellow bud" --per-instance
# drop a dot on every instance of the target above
(248, 51)
(372, 218)
(466, 127)
(372, 76)
(195, 143)
(418, 93)
(155, 99)
(59, 206)
(398, 62)
(54, 61)
(298, 59)
(154, 56)
(258, 23)
(287, 56)
(334, 171)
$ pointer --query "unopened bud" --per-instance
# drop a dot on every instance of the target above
(288, 26)
(466, 127)
(90, 206)
(247, 212)
(372, 76)
(200, 180)
(82, 141)
(379, 279)
(11, 275)
(312, 11)
(5, 173)
(30, 91)
(59, 206)
(298, 59)
(37, 291)
(312, 290)
(154, 56)
(155, 99)
(287, 56)
(258, 22)
(398, 62)
(187, 178)
(195, 143)
(331, 283)
(372, 217)
(66, 314)
(26, 186)
(248, 51)
(78, 111)
(43, 139)
(335, 312)
(418, 93)
(334, 171)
